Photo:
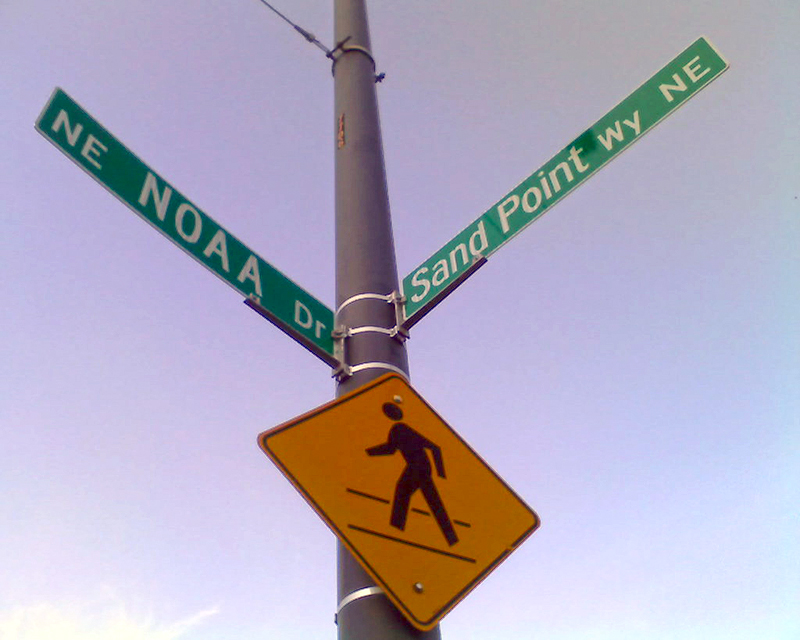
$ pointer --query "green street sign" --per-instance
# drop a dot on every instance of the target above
(662, 94)
(85, 141)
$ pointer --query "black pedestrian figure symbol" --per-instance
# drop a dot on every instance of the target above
(416, 475)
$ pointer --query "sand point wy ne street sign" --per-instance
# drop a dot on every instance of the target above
(657, 98)
(422, 513)
(85, 141)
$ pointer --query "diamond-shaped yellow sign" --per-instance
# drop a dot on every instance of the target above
(424, 515)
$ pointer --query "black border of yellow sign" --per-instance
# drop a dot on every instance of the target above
(525, 520)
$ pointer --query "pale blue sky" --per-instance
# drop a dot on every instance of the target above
(630, 364)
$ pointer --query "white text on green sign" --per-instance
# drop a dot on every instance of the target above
(679, 80)
(292, 309)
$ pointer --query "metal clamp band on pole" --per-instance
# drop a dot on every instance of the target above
(354, 331)
(377, 365)
(344, 371)
(343, 48)
(366, 592)
(364, 296)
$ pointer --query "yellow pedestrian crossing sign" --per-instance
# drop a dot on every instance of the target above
(421, 512)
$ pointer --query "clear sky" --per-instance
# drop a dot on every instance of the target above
(630, 364)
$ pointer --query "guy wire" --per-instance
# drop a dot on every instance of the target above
(310, 37)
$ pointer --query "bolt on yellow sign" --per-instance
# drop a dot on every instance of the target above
(422, 513)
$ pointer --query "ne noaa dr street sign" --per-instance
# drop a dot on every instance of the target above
(292, 309)
(421, 512)
(668, 89)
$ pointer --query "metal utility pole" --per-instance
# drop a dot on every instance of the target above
(366, 277)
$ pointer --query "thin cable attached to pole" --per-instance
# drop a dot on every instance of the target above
(329, 53)
(310, 37)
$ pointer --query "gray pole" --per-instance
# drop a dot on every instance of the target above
(365, 264)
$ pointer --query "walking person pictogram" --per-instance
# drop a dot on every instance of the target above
(416, 475)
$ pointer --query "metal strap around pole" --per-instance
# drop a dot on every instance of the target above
(354, 331)
(344, 371)
(365, 296)
(366, 592)
(340, 49)
(377, 365)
